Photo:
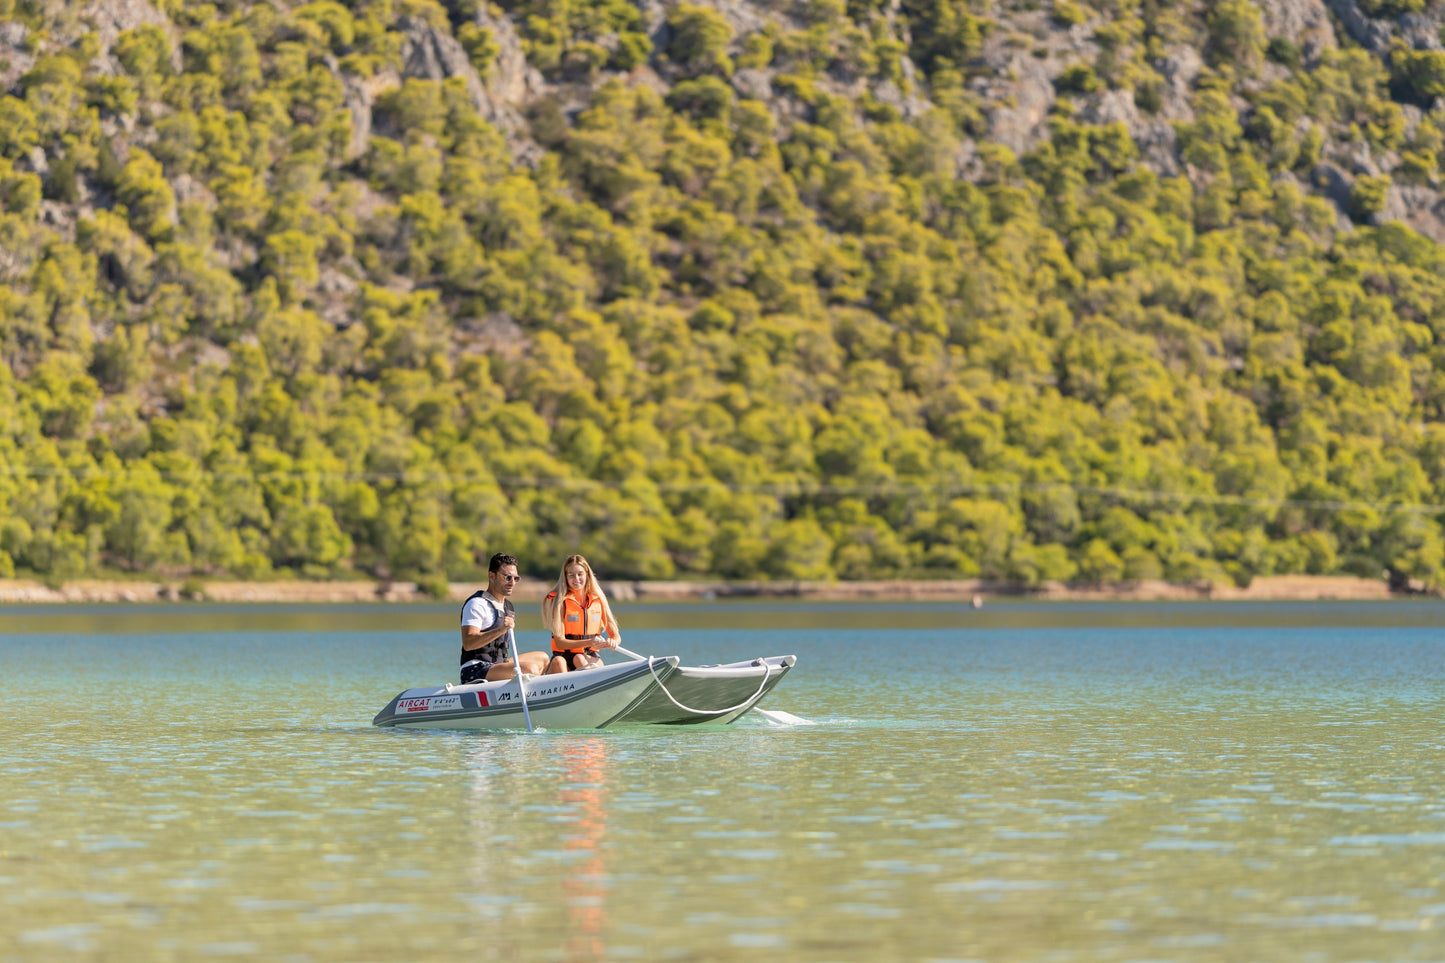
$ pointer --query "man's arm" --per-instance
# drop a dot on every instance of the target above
(475, 638)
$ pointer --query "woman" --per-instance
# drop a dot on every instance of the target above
(577, 613)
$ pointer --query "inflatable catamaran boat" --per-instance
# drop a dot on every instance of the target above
(647, 691)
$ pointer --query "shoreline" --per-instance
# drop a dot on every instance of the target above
(1278, 588)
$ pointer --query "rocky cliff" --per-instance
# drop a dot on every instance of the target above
(1026, 55)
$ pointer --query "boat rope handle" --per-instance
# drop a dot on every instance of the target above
(767, 671)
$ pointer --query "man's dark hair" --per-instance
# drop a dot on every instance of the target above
(500, 559)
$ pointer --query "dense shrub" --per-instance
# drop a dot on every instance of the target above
(746, 326)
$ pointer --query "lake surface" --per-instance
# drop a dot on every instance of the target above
(1054, 782)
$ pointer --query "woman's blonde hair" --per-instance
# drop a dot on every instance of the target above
(552, 607)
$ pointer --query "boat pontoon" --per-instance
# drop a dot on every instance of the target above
(710, 694)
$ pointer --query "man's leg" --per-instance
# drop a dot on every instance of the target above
(500, 671)
(535, 663)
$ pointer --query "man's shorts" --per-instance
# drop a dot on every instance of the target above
(475, 671)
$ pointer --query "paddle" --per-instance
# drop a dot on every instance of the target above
(776, 717)
(517, 672)
(779, 718)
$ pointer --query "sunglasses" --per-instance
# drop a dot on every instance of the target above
(511, 578)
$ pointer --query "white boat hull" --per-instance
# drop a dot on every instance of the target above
(591, 699)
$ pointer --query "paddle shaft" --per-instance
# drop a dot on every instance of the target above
(517, 674)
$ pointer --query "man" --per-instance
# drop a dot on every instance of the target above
(486, 618)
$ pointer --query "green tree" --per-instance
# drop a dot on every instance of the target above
(700, 39)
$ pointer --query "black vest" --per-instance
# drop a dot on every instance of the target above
(493, 651)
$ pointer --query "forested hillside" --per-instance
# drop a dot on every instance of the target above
(771, 289)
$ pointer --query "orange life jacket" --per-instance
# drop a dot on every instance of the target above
(580, 620)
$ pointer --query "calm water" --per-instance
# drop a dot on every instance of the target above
(1052, 783)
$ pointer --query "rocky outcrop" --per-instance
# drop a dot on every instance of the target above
(15, 59)
(1304, 23)
(432, 54)
(1019, 93)
(361, 94)
(1373, 35)
(1180, 69)
(1419, 31)
(1419, 207)
(111, 18)
(510, 82)
(106, 19)
(1334, 183)
(1014, 78)
(1152, 134)
(334, 296)
(1017, 85)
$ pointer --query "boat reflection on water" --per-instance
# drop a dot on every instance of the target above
(584, 793)
(552, 878)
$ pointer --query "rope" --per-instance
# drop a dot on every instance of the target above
(767, 672)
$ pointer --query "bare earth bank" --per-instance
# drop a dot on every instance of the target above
(1275, 588)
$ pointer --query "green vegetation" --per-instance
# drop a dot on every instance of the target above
(707, 335)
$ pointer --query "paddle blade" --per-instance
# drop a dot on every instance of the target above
(779, 718)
